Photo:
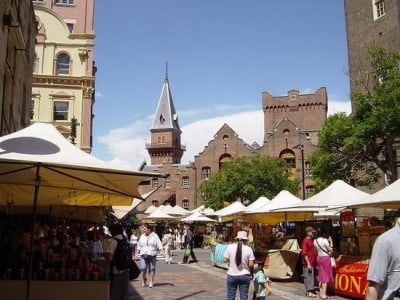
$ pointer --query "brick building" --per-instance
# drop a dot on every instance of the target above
(370, 24)
(291, 124)
(17, 51)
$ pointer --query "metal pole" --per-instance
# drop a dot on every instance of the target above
(302, 171)
(34, 215)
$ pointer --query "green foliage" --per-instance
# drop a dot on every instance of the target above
(247, 178)
(360, 147)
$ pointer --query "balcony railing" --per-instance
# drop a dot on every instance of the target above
(165, 145)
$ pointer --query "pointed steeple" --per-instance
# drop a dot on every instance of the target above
(165, 146)
(165, 116)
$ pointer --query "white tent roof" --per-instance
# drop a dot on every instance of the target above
(122, 211)
(159, 214)
(282, 200)
(68, 176)
(168, 209)
(178, 210)
(234, 208)
(198, 209)
(197, 217)
(337, 194)
(260, 202)
(150, 209)
(388, 197)
(204, 210)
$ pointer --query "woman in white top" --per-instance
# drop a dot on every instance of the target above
(324, 247)
(241, 261)
(148, 246)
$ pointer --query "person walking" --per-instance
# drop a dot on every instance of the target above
(148, 246)
(241, 260)
(324, 247)
(261, 282)
(309, 261)
(168, 243)
(119, 278)
(384, 267)
(188, 245)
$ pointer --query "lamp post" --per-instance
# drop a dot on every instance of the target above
(301, 148)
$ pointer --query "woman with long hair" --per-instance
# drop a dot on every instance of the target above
(241, 261)
(324, 246)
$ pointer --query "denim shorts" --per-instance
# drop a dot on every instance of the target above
(148, 264)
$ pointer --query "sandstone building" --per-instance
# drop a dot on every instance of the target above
(17, 48)
(291, 124)
(64, 70)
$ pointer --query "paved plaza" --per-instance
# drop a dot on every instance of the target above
(201, 281)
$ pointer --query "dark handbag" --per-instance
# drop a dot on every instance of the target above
(134, 270)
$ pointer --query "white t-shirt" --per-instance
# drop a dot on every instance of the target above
(323, 243)
(149, 244)
(243, 268)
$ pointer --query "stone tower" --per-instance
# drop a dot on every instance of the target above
(369, 24)
(165, 146)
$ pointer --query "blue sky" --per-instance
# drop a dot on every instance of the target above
(221, 55)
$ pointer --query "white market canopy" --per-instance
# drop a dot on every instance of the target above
(179, 211)
(266, 215)
(197, 217)
(204, 210)
(387, 198)
(39, 156)
(338, 194)
(121, 211)
(232, 209)
(159, 214)
(260, 202)
(150, 209)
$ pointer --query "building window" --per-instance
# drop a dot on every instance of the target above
(205, 173)
(309, 190)
(32, 109)
(286, 132)
(167, 182)
(154, 183)
(64, 2)
(60, 111)
(307, 169)
(185, 181)
(379, 8)
(185, 204)
(288, 156)
(38, 1)
(62, 64)
(70, 27)
(154, 203)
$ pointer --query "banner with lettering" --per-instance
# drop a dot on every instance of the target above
(351, 280)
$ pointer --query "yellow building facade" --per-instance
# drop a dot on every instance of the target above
(63, 73)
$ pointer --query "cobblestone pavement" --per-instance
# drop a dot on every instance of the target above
(201, 281)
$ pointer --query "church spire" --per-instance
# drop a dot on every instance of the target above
(165, 116)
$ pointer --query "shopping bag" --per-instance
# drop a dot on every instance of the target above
(187, 251)
(134, 270)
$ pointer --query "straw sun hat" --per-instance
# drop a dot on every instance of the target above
(242, 235)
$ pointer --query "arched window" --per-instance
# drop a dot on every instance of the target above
(62, 64)
(185, 204)
(288, 156)
(225, 158)
(154, 203)
(309, 190)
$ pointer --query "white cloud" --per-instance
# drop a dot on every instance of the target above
(127, 144)
(99, 95)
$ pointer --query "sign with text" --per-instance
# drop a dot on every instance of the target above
(351, 280)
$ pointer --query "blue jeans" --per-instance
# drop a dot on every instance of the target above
(233, 282)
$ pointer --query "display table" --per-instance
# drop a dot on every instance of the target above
(281, 264)
(60, 290)
(351, 276)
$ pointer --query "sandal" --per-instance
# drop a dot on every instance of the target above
(311, 295)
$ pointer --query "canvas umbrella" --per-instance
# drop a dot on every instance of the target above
(266, 215)
(159, 215)
(387, 198)
(38, 166)
(230, 212)
(179, 211)
(121, 211)
(150, 209)
(260, 202)
(197, 217)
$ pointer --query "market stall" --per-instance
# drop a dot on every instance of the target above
(39, 167)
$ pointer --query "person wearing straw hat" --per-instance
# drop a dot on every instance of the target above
(241, 260)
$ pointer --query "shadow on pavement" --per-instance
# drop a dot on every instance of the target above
(190, 295)
(133, 294)
(163, 284)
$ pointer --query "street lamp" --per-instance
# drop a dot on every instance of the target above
(301, 148)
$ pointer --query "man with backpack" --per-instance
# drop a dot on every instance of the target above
(119, 255)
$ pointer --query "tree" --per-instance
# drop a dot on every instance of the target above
(247, 178)
(360, 147)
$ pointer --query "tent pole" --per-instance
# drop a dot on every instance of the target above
(34, 215)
